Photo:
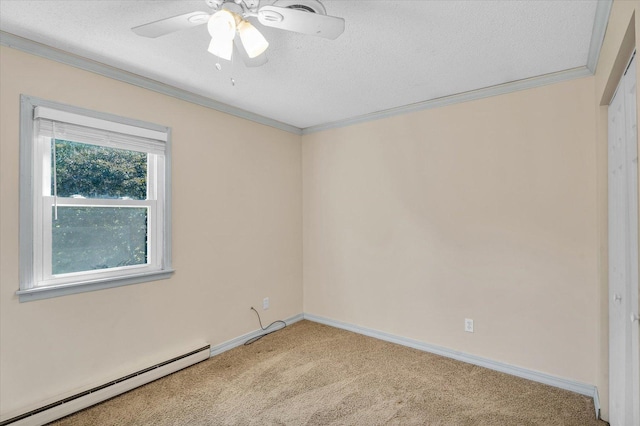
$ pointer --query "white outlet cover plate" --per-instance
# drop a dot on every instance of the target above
(468, 325)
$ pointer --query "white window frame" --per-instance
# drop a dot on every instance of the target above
(36, 203)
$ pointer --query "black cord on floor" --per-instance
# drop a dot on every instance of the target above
(256, 338)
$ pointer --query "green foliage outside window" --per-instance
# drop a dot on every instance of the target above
(95, 171)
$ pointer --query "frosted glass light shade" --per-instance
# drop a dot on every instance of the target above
(221, 48)
(254, 42)
(222, 25)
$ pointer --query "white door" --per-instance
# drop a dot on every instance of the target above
(624, 359)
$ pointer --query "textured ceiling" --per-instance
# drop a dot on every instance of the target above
(392, 53)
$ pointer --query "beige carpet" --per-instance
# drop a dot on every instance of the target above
(311, 374)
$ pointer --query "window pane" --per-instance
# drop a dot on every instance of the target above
(91, 171)
(90, 238)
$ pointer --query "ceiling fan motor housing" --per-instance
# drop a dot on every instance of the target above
(311, 6)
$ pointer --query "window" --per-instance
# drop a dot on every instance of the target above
(94, 200)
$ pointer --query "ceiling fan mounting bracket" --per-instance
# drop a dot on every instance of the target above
(214, 4)
(248, 7)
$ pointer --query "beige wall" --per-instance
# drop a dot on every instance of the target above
(494, 210)
(620, 40)
(482, 210)
(236, 239)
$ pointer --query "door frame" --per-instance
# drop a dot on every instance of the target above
(624, 298)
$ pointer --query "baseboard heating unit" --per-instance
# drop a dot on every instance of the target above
(90, 397)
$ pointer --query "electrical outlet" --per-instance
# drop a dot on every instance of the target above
(265, 304)
(468, 325)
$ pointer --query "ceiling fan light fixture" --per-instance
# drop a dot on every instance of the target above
(221, 48)
(222, 28)
(253, 41)
(222, 25)
(230, 18)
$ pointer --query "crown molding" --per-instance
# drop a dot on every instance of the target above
(48, 52)
(603, 10)
(472, 95)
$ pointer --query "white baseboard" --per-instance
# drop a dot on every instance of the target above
(536, 376)
(76, 405)
(596, 402)
(238, 341)
(94, 396)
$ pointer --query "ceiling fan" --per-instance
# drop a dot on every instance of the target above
(229, 18)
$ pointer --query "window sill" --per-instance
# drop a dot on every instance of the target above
(40, 293)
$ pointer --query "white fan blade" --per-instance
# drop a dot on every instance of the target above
(239, 50)
(300, 21)
(169, 25)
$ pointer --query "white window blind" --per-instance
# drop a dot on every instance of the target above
(97, 123)
(70, 126)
